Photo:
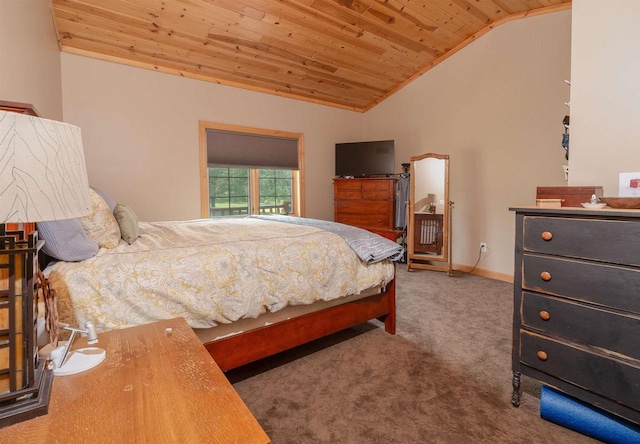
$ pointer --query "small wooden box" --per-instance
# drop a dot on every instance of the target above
(549, 203)
(569, 196)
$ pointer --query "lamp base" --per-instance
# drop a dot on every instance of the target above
(81, 360)
(34, 402)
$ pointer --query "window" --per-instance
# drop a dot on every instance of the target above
(228, 191)
(249, 171)
(276, 191)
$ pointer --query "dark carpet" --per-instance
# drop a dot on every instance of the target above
(443, 378)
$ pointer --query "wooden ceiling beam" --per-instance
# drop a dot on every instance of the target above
(161, 35)
(219, 65)
(346, 53)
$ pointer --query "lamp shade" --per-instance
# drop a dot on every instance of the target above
(42, 170)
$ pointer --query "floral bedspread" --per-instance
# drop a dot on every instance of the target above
(210, 272)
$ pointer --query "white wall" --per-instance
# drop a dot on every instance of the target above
(496, 108)
(140, 132)
(29, 57)
(605, 92)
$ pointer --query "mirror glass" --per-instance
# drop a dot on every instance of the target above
(429, 214)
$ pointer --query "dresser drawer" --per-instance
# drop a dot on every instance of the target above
(364, 220)
(607, 285)
(347, 185)
(616, 332)
(376, 185)
(616, 241)
(348, 194)
(602, 374)
(376, 208)
(376, 195)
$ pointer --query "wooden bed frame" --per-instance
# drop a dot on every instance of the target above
(243, 348)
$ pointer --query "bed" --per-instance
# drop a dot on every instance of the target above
(249, 287)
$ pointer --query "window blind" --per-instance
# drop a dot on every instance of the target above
(233, 149)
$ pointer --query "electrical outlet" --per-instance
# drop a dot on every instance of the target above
(483, 247)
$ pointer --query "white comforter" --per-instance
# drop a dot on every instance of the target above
(210, 272)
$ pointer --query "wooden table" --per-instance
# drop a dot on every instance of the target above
(154, 386)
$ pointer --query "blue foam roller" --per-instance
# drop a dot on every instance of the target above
(586, 419)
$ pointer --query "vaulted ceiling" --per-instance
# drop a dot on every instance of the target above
(346, 53)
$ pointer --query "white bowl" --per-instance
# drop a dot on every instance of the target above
(594, 206)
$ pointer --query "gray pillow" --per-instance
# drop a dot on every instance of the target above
(65, 240)
(128, 222)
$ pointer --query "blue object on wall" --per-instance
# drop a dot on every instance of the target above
(586, 419)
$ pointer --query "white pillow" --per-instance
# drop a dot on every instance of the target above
(106, 197)
(101, 226)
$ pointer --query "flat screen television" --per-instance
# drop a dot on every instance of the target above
(363, 159)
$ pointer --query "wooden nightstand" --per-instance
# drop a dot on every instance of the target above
(154, 386)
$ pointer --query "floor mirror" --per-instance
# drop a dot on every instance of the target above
(429, 214)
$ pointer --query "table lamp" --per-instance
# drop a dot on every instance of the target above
(42, 177)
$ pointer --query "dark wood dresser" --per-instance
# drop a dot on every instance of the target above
(576, 320)
(366, 202)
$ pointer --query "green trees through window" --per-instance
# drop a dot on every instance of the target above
(228, 191)
(276, 191)
(243, 191)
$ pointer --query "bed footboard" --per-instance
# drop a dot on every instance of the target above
(246, 347)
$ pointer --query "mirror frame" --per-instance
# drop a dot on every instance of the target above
(422, 260)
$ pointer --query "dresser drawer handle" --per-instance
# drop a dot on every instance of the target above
(547, 235)
(542, 355)
(544, 315)
(546, 276)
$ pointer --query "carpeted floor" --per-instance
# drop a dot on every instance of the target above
(443, 378)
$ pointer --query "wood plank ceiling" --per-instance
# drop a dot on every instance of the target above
(346, 53)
